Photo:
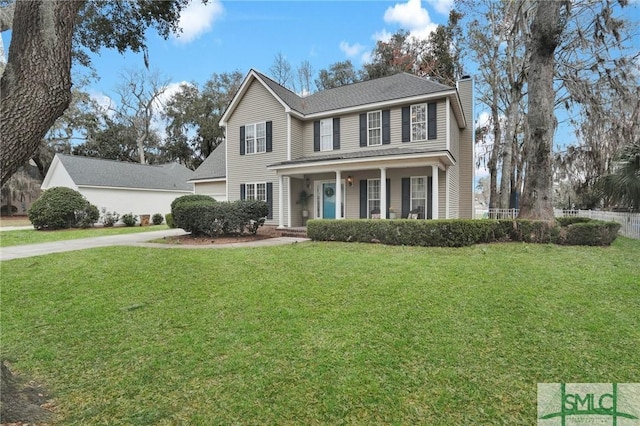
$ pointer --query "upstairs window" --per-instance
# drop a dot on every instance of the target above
(255, 139)
(418, 122)
(374, 128)
(326, 134)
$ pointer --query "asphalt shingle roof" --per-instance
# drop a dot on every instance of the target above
(119, 174)
(214, 166)
(398, 86)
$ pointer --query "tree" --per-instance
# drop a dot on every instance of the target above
(281, 71)
(139, 100)
(305, 78)
(622, 187)
(35, 88)
(193, 116)
(338, 74)
(112, 141)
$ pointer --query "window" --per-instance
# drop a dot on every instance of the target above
(256, 191)
(373, 197)
(326, 134)
(374, 128)
(419, 195)
(418, 122)
(255, 138)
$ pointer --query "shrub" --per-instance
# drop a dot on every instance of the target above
(570, 220)
(189, 199)
(157, 219)
(169, 219)
(129, 219)
(461, 232)
(109, 219)
(61, 208)
(202, 217)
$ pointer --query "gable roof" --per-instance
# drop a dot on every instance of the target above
(90, 171)
(391, 89)
(214, 166)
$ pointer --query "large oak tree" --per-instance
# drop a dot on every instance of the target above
(35, 88)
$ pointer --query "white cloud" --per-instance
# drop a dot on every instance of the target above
(383, 35)
(442, 6)
(104, 102)
(351, 50)
(197, 19)
(366, 57)
(412, 17)
(170, 90)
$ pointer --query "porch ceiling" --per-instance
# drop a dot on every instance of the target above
(352, 161)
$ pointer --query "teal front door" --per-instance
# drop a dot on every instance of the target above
(328, 200)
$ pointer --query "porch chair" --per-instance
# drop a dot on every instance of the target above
(375, 214)
(415, 213)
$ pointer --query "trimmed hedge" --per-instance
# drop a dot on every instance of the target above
(169, 219)
(204, 217)
(189, 199)
(157, 219)
(461, 232)
(61, 208)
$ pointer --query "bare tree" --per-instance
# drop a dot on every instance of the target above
(305, 77)
(281, 71)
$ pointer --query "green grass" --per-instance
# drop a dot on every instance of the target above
(320, 333)
(31, 236)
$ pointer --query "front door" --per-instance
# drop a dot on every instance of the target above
(329, 200)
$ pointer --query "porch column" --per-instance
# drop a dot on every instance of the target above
(281, 201)
(434, 192)
(338, 194)
(383, 193)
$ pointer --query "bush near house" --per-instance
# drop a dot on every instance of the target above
(157, 219)
(62, 208)
(212, 218)
(189, 199)
(460, 233)
(129, 219)
(169, 219)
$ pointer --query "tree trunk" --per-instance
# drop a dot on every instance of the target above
(36, 85)
(538, 181)
(494, 201)
(507, 153)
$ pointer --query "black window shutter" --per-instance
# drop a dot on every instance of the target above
(429, 198)
(241, 140)
(316, 135)
(269, 129)
(363, 199)
(432, 121)
(270, 200)
(388, 196)
(363, 130)
(386, 127)
(406, 197)
(243, 191)
(336, 133)
(406, 125)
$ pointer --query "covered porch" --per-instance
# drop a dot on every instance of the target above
(408, 185)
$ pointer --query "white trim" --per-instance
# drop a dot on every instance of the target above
(426, 122)
(136, 189)
(266, 194)
(330, 121)
(448, 124)
(396, 161)
(288, 137)
(255, 138)
(447, 200)
(434, 193)
(288, 201)
(379, 111)
(383, 192)
(369, 209)
(426, 193)
(222, 179)
(280, 201)
(339, 195)
(226, 163)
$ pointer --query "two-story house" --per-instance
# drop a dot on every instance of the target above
(397, 146)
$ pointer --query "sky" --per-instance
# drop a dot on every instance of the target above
(225, 36)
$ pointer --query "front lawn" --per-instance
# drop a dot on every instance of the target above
(320, 333)
(31, 236)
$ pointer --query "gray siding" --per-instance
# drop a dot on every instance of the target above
(454, 171)
(467, 158)
(297, 141)
(350, 133)
(256, 106)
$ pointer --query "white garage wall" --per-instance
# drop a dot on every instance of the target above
(136, 201)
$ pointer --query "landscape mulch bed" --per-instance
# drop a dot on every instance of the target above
(262, 234)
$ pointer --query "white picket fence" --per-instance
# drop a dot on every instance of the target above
(630, 222)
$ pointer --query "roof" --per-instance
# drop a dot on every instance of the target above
(384, 89)
(214, 166)
(90, 171)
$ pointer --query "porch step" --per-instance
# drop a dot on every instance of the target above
(293, 232)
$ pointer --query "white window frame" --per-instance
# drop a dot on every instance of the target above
(379, 128)
(326, 134)
(253, 188)
(425, 198)
(415, 122)
(370, 207)
(255, 138)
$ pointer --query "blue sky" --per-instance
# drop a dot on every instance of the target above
(240, 35)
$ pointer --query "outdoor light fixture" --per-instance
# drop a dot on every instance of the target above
(350, 180)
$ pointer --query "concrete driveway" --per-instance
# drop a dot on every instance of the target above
(138, 239)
